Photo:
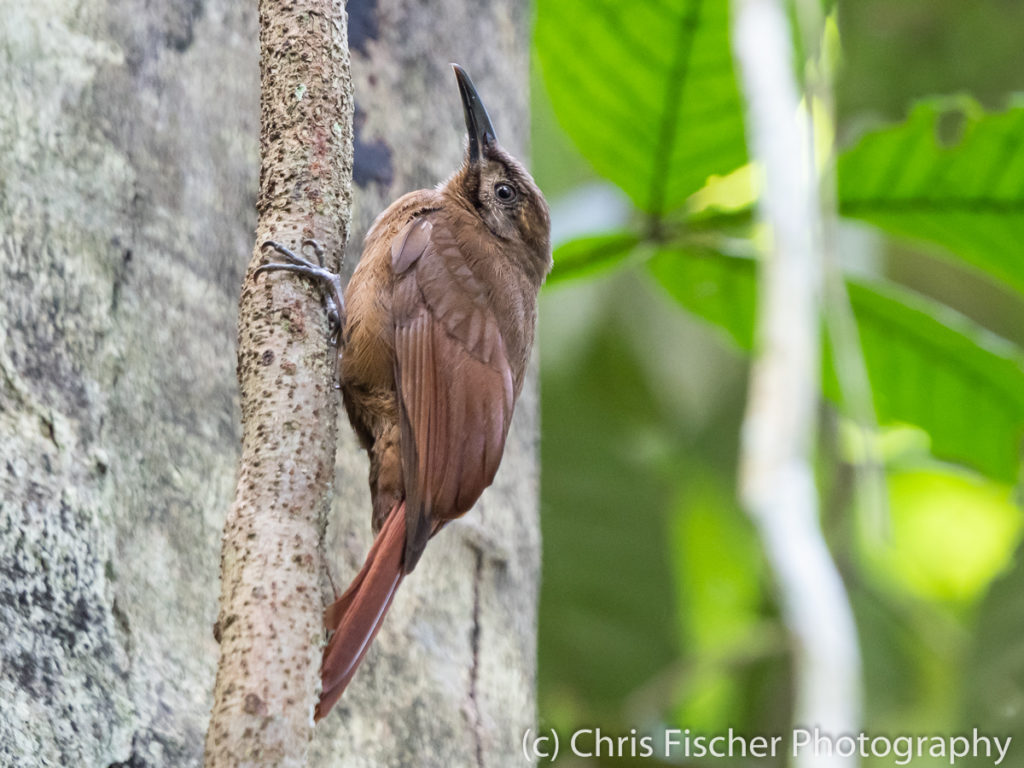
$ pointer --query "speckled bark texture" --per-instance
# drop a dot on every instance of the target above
(128, 183)
(270, 624)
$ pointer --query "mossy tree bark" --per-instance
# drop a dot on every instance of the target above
(127, 181)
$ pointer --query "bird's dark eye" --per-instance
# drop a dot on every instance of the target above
(505, 193)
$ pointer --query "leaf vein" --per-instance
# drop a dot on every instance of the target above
(688, 23)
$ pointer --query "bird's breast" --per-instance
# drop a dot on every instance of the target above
(368, 355)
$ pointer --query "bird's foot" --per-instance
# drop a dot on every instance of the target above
(329, 281)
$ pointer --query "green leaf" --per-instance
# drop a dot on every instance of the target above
(928, 366)
(646, 91)
(586, 255)
(949, 175)
(936, 369)
(718, 288)
(951, 533)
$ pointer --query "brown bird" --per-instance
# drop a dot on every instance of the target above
(435, 334)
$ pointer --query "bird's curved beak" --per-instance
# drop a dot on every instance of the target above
(478, 123)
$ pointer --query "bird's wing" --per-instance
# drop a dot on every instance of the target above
(453, 378)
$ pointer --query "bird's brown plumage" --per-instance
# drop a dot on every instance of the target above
(436, 333)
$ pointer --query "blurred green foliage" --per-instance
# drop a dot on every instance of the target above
(614, 71)
(656, 607)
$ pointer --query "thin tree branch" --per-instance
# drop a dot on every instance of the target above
(840, 321)
(270, 626)
(777, 478)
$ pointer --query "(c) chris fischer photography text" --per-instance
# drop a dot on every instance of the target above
(903, 749)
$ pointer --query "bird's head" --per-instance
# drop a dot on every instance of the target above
(496, 186)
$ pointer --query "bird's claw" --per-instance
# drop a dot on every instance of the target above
(317, 249)
(294, 258)
(330, 282)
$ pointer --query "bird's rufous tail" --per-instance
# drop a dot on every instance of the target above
(356, 616)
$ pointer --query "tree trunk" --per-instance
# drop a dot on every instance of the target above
(128, 171)
(270, 619)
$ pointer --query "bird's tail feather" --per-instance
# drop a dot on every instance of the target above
(356, 616)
